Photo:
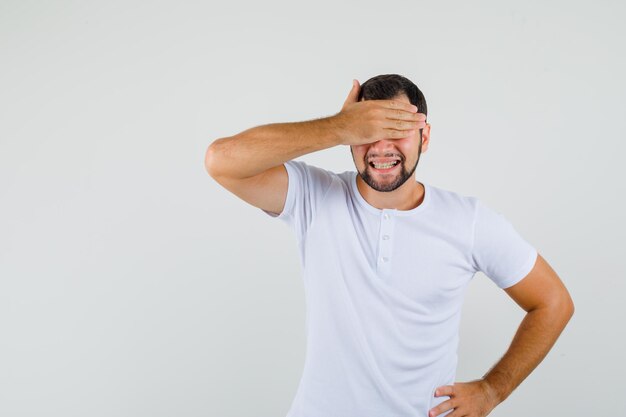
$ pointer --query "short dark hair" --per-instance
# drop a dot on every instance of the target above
(387, 86)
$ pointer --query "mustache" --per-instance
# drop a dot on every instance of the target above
(370, 157)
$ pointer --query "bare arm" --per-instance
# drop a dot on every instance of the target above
(262, 147)
(549, 308)
(251, 164)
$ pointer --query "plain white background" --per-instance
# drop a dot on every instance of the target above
(132, 284)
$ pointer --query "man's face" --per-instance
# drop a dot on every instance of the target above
(407, 149)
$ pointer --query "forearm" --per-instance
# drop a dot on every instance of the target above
(534, 338)
(262, 147)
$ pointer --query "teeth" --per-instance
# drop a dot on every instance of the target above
(384, 166)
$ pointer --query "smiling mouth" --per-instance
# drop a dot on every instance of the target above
(384, 167)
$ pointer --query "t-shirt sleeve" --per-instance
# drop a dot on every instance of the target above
(307, 188)
(499, 251)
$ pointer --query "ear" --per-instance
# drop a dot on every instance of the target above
(425, 137)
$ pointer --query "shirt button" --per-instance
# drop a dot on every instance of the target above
(385, 237)
(386, 216)
(385, 259)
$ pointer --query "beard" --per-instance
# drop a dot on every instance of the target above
(370, 177)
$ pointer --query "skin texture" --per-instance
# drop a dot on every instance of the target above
(248, 164)
(398, 189)
(549, 308)
(541, 293)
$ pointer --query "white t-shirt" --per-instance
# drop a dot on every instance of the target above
(384, 291)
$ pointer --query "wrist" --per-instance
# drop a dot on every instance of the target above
(493, 390)
(337, 126)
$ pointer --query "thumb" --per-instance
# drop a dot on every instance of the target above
(353, 95)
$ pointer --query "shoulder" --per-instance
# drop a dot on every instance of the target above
(308, 168)
(452, 203)
(309, 172)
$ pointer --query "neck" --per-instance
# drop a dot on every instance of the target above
(406, 197)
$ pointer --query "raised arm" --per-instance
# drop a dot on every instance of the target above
(255, 150)
(250, 163)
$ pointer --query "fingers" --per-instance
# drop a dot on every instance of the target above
(397, 134)
(406, 124)
(398, 105)
(404, 115)
(399, 112)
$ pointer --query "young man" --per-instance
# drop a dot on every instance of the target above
(386, 261)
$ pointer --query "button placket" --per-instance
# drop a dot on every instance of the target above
(385, 242)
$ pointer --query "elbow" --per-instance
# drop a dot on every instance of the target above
(571, 307)
(210, 158)
(560, 308)
(566, 308)
(568, 303)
